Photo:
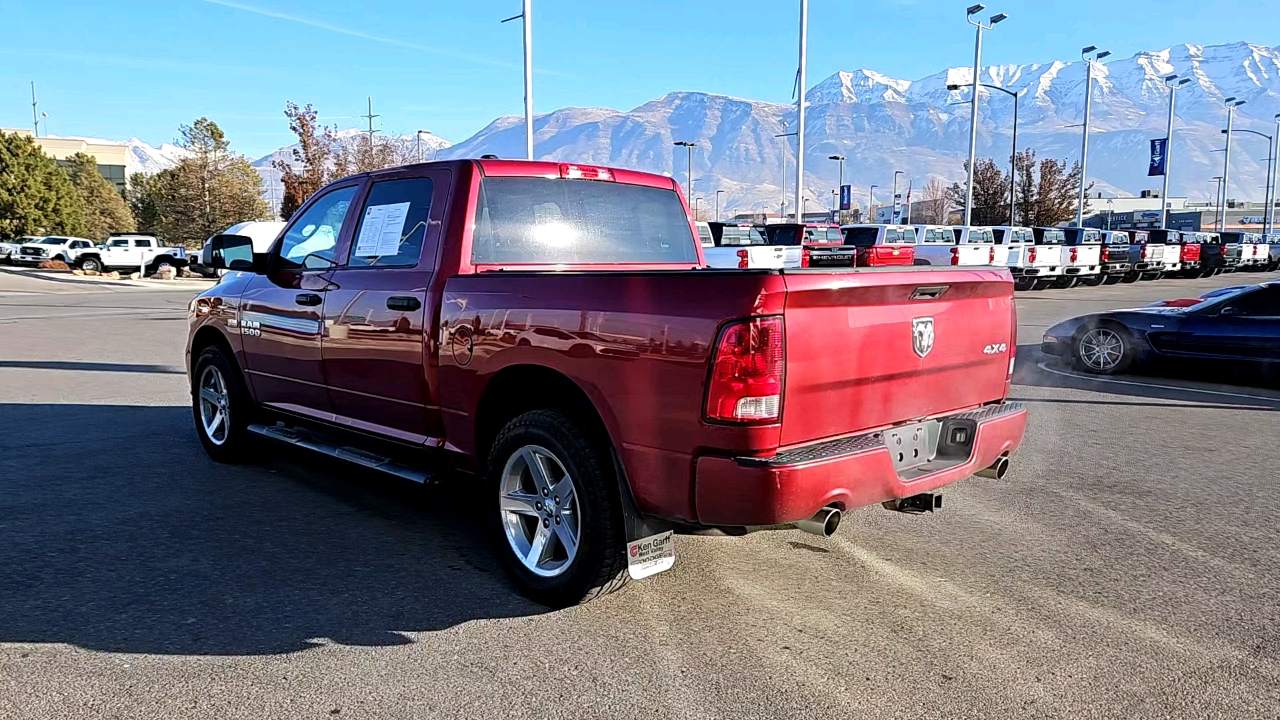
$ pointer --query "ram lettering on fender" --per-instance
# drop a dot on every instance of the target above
(995, 348)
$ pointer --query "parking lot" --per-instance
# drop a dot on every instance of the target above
(1125, 568)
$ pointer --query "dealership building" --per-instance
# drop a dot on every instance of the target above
(112, 158)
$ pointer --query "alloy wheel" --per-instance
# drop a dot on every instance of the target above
(540, 511)
(1101, 349)
(215, 405)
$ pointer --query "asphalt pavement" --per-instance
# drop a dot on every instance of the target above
(1125, 568)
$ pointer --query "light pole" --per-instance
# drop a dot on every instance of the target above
(1013, 158)
(1270, 161)
(688, 171)
(718, 193)
(840, 183)
(894, 215)
(1275, 180)
(1088, 104)
(1231, 104)
(973, 120)
(871, 204)
(1216, 192)
(35, 115)
(786, 147)
(1168, 145)
(526, 14)
(800, 87)
(418, 138)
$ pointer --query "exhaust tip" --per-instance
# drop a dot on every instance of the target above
(824, 523)
(997, 470)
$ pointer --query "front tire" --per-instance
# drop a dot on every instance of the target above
(91, 264)
(221, 407)
(555, 512)
(1103, 350)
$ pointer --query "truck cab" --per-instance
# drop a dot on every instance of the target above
(942, 245)
(1174, 254)
(874, 245)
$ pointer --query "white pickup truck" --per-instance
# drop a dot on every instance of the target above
(1033, 264)
(742, 245)
(127, 252)
(1081, 255)
(53, 247)
(944, 245)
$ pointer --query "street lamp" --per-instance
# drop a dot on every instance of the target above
(1270, 162)
(527, 15)
(894, 215)
(418, 139)
(688, 171)
(718, 193)
(840, 183)
(1173, 83)
(800, 87)
(1216, 192)
(1232, 103)
(784, 168)
(1275, 180)
(973, 120)
(1013, 159)
(1098, 55)
(871, 204)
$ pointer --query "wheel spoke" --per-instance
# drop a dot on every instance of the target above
(520, 503)
(567, 537)
(210, 395)
(538, 548)
(216, 422)
(537, 471)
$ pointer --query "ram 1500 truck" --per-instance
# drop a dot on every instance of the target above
(549, 330)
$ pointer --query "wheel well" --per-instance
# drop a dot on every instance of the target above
(520, 389)
(209, 336)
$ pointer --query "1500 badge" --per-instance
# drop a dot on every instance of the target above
(250, 327)
(995, 349)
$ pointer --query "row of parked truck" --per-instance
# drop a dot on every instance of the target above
(1038, 258)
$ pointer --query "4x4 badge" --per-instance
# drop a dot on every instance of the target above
(922, 335)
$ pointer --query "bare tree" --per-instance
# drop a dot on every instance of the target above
(935, 203)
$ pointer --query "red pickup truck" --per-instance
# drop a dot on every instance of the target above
(550, 330)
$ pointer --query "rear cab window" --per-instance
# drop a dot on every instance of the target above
(570, 221)
(861, 236)
(981, 236)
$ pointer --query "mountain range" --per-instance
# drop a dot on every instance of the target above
(884, 124)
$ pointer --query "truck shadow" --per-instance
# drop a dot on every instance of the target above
(118, 534)
(1179, 383)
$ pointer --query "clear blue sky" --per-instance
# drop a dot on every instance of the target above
(140, 67)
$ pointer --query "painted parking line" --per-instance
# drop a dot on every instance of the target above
(1179, 388)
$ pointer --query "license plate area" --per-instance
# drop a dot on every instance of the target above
(912, 445)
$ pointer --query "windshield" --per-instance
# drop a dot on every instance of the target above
(53, 241)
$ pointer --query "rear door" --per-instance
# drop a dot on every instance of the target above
(865, 350)
(281, 310)
(375, 322)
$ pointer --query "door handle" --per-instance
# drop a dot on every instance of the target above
(308, 299)
(406, 304)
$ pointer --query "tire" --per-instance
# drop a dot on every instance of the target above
(517, 516)
(1130, 277)
(91, 263)
(1023, 284)
(1111, 279)
(1104, 349)
(1092, 280)
(1066, 282)
(229, 442)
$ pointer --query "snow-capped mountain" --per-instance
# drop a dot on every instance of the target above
(882, 124)
(142, 157)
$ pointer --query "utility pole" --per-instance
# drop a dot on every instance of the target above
(1168, 146)
(973, 120)
(800, 88)
(526, 14)
(871, 204)
(895, 214)
(371, 116)
(1275, 179)
(785, 147)
(1232, 104)
(1084, 144)
(35, 116)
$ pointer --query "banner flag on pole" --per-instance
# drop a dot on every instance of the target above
(1158, 155)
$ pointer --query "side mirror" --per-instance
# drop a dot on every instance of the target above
(231, 252)
(1229, 311)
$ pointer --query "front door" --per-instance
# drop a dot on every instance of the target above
(281, 311)
(1246, 327)
(376, 312)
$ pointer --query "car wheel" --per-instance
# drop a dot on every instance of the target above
(91, 264)
(1092, 280)
(221, 407)
(555, 512)
(1111, 279)
(1023, 283)
(1130, 277)
(1104, 350)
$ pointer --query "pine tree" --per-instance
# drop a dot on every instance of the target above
(36, 196)
(105, 210)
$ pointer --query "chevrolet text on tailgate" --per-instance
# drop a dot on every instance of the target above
(548, 330)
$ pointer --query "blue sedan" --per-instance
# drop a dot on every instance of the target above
(1240, 325)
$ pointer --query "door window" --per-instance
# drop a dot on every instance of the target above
(309, 241)
(1260, 303)
(142, 243)
(393, 224)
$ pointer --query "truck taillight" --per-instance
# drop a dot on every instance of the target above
(1106, 252)
(991, 255)
(1075, 253)
(1031, 254)
(955, 256)
(584, 172)
(1143, 254)
(870, 256)
(742, 259)
(804, 256)
(746, 372)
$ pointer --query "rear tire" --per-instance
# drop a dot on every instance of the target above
(218, 389)
(91, 264)
(568, 571)
(1092, 280)
(1111, 279)
(1130, 277)
(1023, 284)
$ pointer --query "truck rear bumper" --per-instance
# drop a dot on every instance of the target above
(850, 472)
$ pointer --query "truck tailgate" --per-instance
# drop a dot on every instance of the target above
(869, 349)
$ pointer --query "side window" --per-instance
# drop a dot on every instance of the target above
(315, 232)
(119, 243)
(393, 224)
(142, 243)
(1259, 303)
